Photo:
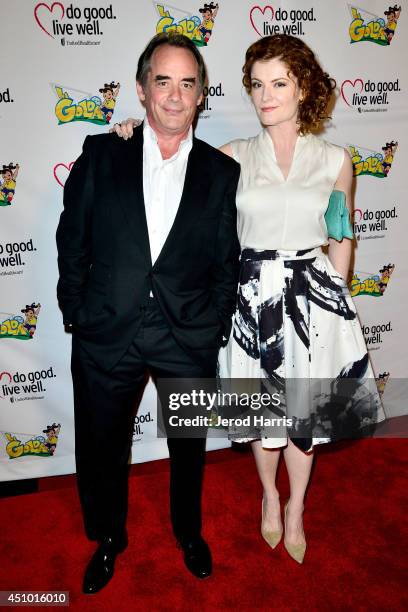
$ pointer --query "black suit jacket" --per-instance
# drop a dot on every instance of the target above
(106, 273)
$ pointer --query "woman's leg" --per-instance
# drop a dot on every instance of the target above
(267, 462)
(299, 465)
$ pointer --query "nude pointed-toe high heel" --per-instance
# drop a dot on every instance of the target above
(296, 551)
(271, 537)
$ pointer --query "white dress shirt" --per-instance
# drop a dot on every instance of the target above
(163, 183)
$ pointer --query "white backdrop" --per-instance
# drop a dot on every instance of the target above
(55, 58)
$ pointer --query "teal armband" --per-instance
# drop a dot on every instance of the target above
(337, 217)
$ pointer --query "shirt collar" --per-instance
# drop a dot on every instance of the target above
(150, 136)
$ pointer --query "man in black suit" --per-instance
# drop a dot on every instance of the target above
(148, 260)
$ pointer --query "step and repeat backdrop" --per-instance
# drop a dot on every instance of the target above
(67, 70)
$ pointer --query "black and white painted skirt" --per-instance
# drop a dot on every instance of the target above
(296, 329)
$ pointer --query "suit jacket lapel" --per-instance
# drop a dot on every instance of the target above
(191, 203)
(129, 167)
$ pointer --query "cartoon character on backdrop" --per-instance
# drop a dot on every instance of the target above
(110, 92)
(31, 312)
(209, 12)
(8, 185)
(389, 152)
(392, 15)
(381, 287)
(386, 272)
(52, 433)
(382, 381)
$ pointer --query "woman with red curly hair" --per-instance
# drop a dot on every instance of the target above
(295, 320)
(295, 327)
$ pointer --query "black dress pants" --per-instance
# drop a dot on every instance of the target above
(104, 410)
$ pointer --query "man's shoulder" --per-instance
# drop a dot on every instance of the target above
(217, 158)
(103, 142)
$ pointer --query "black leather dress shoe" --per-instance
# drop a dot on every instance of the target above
(197, 557)
(102, 564)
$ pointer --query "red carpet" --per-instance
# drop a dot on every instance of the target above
(355, 524)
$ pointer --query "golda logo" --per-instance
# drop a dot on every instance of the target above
(381, 381)
(18, 327)
(198, 28)
(373, 163)
(374, 284)
(39, 446)
(366, 26)
(92, 109)
(8, 178)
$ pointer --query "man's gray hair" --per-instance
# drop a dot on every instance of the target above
(174, 40)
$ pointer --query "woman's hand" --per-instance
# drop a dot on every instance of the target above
(125, 128)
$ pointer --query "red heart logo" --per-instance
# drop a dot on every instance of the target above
(63, 174)
(357, 212)
(353, 85)
(9, 377)
(51, 10)
(262, 11)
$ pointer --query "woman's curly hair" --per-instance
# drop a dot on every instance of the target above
(316, 85)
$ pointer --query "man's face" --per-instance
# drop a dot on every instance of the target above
(108, 94)
(172, 91)
(7, 175)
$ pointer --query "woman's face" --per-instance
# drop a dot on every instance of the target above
(275, 94)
